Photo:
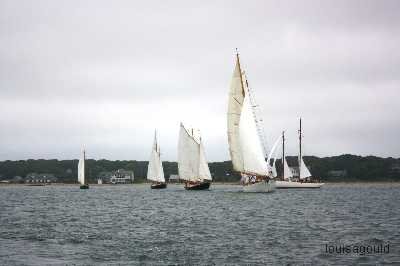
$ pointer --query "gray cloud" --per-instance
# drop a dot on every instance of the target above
(104, 74)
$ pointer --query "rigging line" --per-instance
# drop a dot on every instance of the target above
(259, 122)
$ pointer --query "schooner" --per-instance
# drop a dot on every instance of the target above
(192, 165)
(304, 180)
(81, 172)
(245, 145)
(155, 171)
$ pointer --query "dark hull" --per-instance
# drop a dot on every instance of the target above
(84, 187)
(199, 186)
(158, 186)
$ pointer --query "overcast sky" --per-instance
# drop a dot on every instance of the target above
(105, 74)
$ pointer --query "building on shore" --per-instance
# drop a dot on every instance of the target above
(105, 176)
(122, 176)
(40, 178)
(119, 176)
(173, 179)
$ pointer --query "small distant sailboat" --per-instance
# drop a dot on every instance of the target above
(81, 172)
(245, 146)
(155, 171)
(192, 165)
(305, 180)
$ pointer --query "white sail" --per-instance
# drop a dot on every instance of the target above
(192, 164)
(204, 171)
(274, 172)
(236, 97)
(278, 140)
(245, 146)
(304, 172)
(287, 171)
(252, 152)
(271, 168)
(155, 171)
(81, 169)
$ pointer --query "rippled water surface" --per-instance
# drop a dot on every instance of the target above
(131, 224)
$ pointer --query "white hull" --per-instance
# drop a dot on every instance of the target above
(289, 184)
(262, 186)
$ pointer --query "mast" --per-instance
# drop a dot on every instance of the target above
(283, 154)
(300, 149)
(84, 166)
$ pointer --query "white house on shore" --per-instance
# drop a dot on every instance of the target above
(122, 176)
(173, 178)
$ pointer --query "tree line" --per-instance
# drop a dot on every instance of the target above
(336, 168)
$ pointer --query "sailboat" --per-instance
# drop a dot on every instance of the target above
(155, 171)
(81, 172)
(245, 146)
(192, 165)
(304, 180)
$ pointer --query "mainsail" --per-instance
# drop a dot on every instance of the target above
(204, 171)
(192, 164)
(155, 171)
(236, 98)
(81, 169)
(287, 171)
(245, 146)
(304, 172)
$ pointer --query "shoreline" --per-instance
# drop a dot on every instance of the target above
(213, 183)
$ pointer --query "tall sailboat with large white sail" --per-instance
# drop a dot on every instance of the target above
(155, 171)
(245, 146)
(81, 172)
(192, 165)
(304, 180)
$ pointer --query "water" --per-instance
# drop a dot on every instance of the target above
(131, 224)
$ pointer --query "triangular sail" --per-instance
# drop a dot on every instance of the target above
(192, 164)
(287, 171)
(204, 171)
(81, 169)
(278, 140)
(155, 171)
(273, 168)
(274, 172)
(304, 172)
(236, 97)
(252, 151)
